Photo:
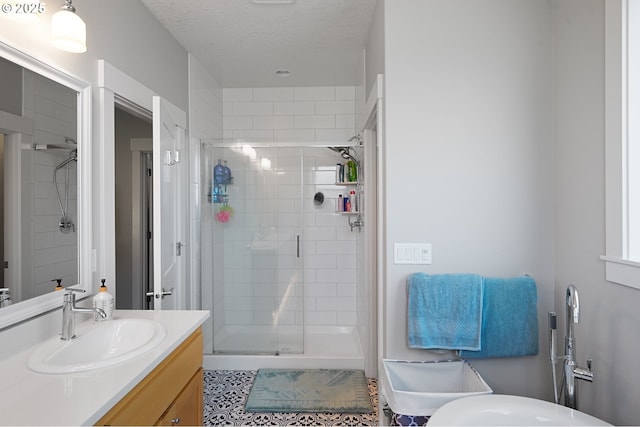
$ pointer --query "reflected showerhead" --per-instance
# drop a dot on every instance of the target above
(68, 143)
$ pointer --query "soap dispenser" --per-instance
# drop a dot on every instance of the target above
(104, 301)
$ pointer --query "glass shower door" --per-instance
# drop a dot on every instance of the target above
(257, 264)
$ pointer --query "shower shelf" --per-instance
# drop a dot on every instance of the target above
(348, 182)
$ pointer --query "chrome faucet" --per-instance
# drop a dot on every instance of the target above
(69, 308)
(571, 370)
(5, 297)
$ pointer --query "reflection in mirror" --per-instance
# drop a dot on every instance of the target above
(39, 165)
(39, 185)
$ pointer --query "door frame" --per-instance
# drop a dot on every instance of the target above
(115, 86)
(141, 152)
(371, 125)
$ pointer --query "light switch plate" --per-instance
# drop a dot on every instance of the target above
(412, 253)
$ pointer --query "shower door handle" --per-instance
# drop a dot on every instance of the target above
(165, 293)
(162, 294)
(297, 246)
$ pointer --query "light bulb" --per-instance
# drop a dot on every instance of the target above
(68, 30)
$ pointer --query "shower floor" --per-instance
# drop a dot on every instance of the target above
(226, 392)
(317, 340)
(257, 341)
(324, 347)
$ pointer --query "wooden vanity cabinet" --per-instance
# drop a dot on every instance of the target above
(172, 394)
(186, 410)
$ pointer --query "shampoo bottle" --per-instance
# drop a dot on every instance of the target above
(103, 300)
(353, 171)
(218, 173)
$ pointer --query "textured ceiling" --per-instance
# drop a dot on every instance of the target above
(242, 43)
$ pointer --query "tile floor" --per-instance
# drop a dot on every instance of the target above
(225, 393)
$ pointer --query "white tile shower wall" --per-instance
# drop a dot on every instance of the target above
(52, 254)
(300, 116)
(295, 114)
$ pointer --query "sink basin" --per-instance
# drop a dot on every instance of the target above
(507, 410)
(97, 345)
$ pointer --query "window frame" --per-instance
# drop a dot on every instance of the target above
(619, 268)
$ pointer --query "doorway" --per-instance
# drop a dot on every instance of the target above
(133, 208)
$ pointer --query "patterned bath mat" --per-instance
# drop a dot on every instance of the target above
(309, 390)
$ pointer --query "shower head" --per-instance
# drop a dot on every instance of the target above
(337, 149)
(344, 153)
(68, 143)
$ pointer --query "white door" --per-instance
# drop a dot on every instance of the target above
(169, 123)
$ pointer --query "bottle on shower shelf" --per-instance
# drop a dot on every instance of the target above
(226, 173)
(218, 173)
(352, 170)
(354, 200)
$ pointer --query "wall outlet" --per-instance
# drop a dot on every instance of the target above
(412, 253)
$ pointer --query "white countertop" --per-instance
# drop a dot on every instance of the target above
(31, 398)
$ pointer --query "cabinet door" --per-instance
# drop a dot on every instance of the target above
(187, 409)
(149, 400)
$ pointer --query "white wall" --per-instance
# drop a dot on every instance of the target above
(375, 49)
(608, 331)
(122, 32)
(290, 114)
(469, 156)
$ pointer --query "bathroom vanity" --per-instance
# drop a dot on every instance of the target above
(170, 395)
(162, 386)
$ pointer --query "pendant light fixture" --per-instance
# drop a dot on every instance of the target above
(68, 30)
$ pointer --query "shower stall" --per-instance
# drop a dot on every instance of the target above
(281, 264)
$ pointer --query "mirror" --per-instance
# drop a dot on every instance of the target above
(44, 168)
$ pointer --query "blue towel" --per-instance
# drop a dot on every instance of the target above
(444, 311)
(509, 319)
